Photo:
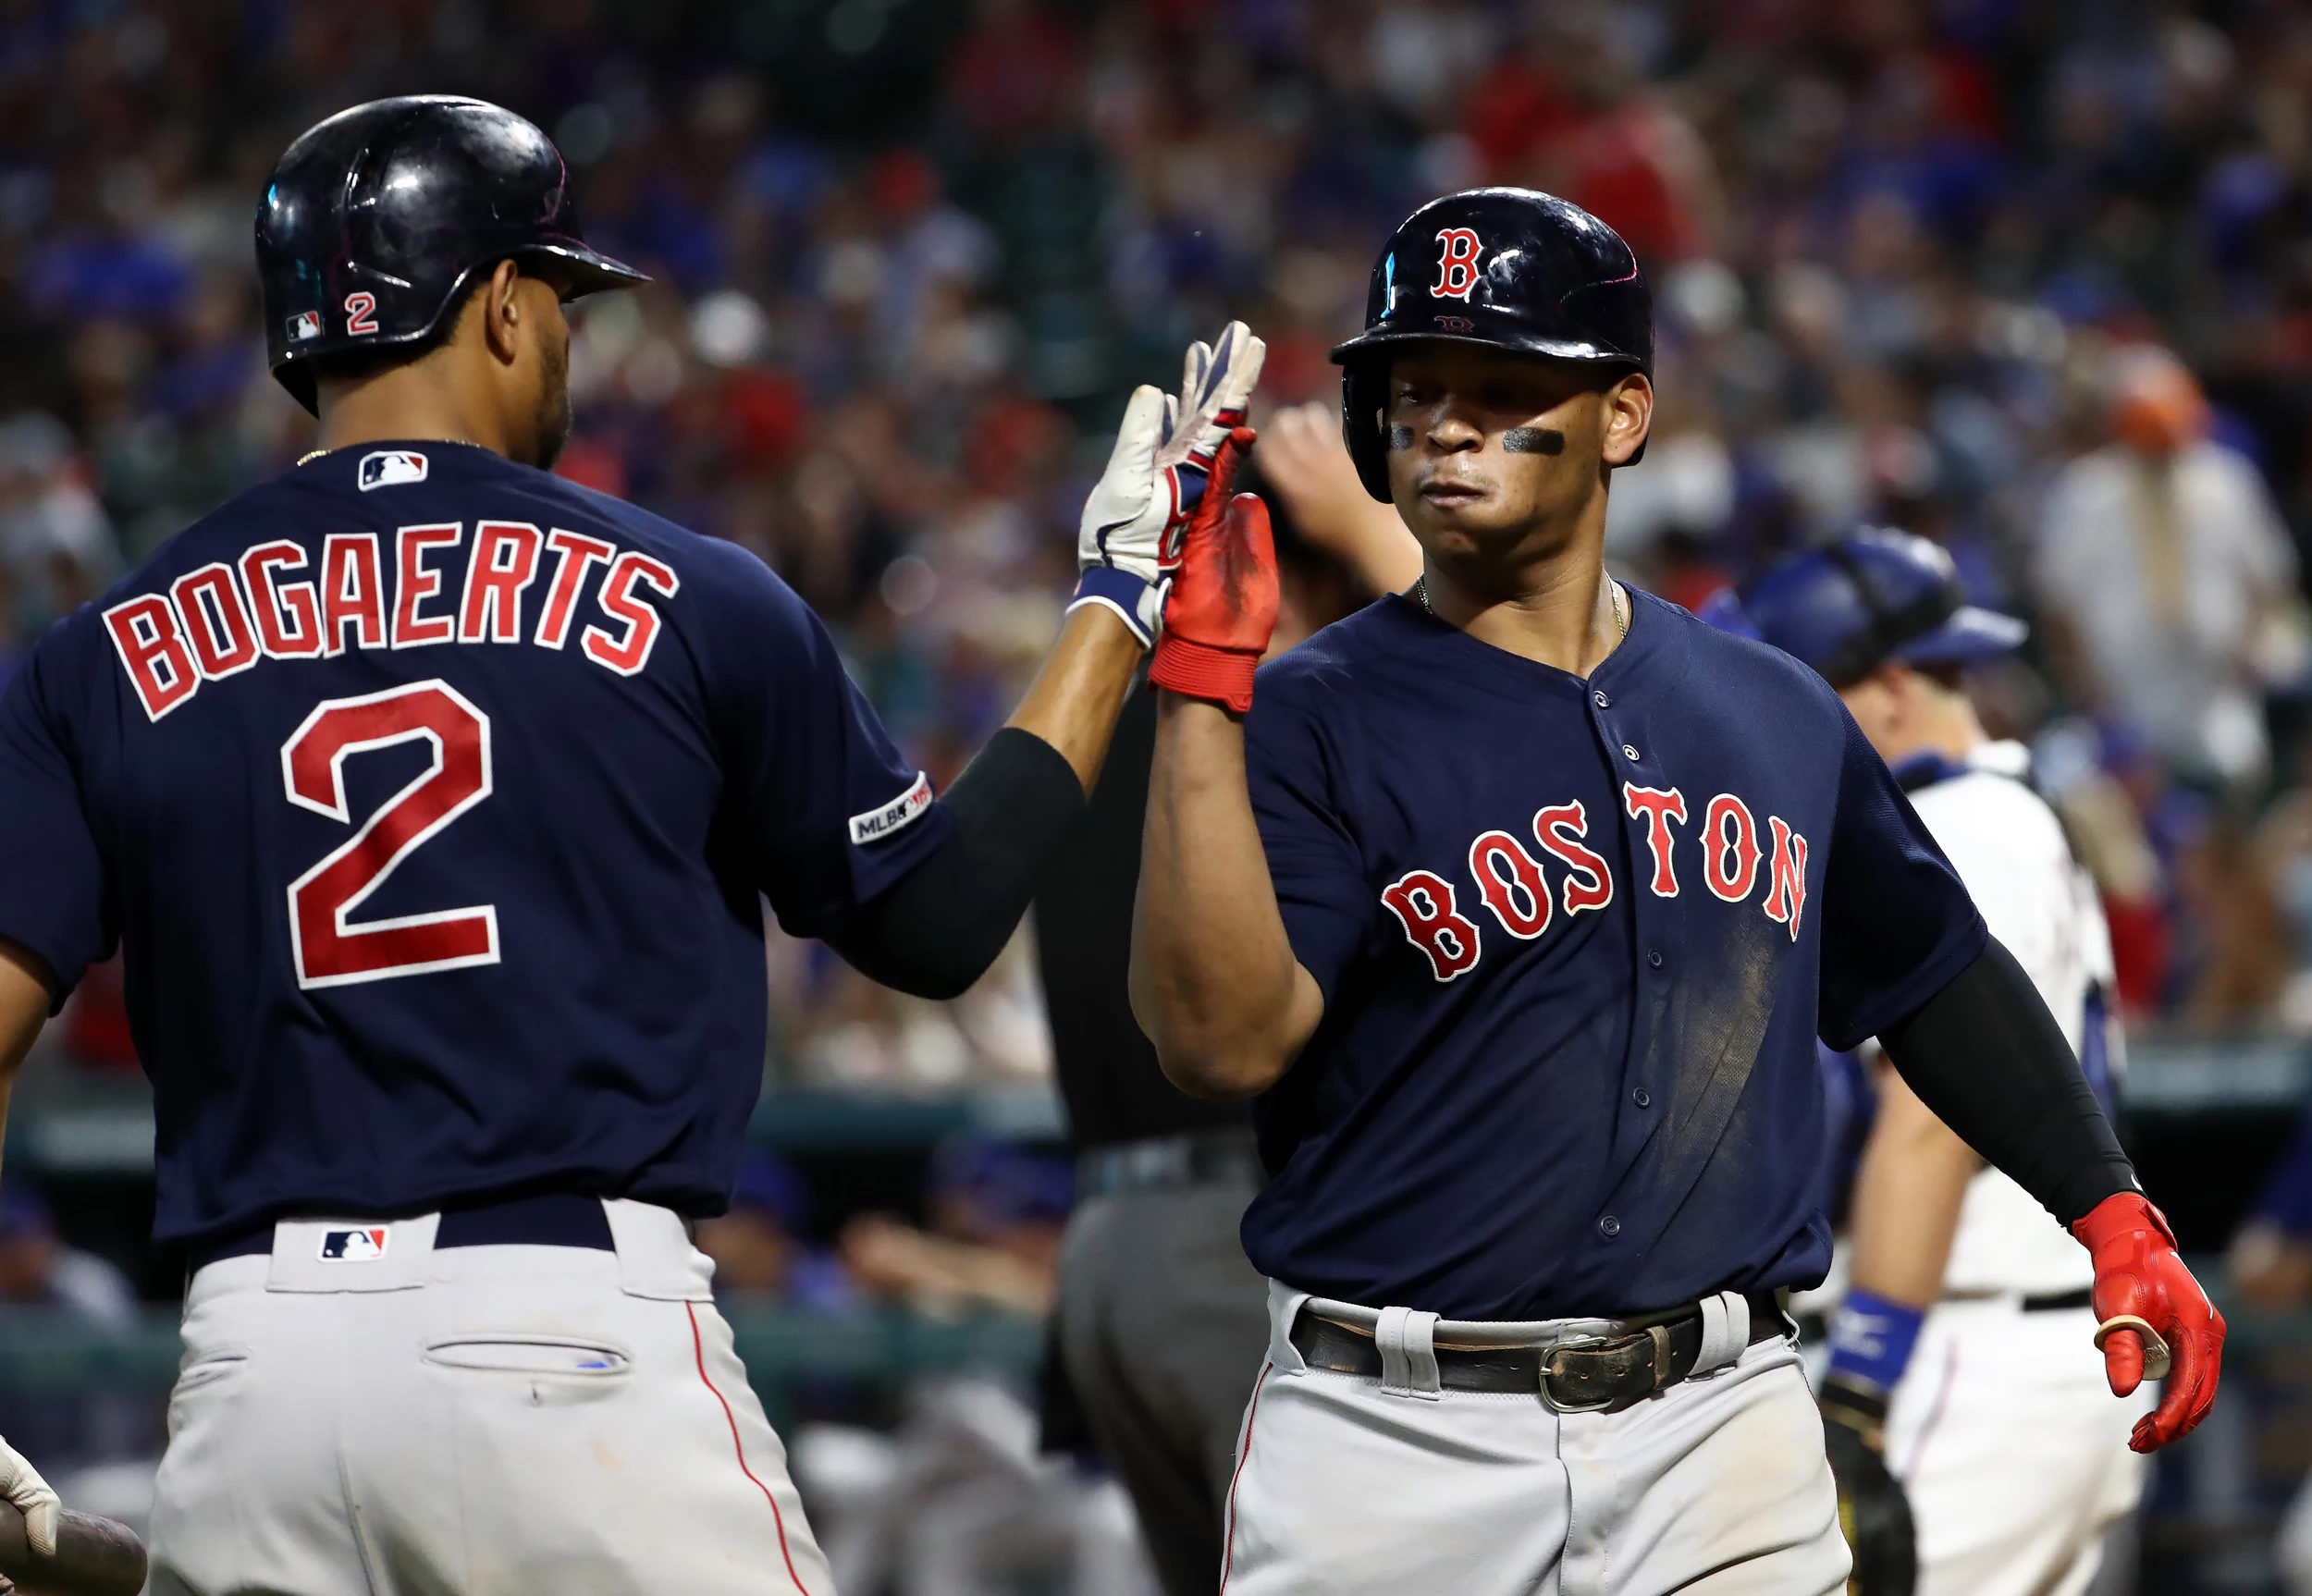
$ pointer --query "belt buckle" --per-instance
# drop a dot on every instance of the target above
(1549, 1371)
(1657, 1340)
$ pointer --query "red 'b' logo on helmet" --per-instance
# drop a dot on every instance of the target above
(1457, 268)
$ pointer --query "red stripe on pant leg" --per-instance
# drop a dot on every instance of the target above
(698, 1346)
(1251, 1412)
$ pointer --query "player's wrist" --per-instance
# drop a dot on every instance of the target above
(1217, 675)
(1136, 601)
(2118, 1215)
(1871, 1339)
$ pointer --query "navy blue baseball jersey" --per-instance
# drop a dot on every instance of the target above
(435, 800)
(1577, 940)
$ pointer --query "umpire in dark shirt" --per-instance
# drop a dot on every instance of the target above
(1162, 1322)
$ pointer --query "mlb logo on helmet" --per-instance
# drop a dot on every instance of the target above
(391, 467)
(304, 324)
(354, 1245)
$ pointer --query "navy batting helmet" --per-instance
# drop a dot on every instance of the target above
(375, 221)
(1872, 597)
(1505, 268)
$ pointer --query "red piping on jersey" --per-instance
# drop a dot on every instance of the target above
(698, 1347)
(1251, 1412)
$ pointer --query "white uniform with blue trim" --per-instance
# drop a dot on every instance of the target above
(2002, 1429)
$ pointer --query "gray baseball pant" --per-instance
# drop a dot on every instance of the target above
(1161, 1324)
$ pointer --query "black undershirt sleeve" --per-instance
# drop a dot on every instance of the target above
(939, 928)
(1986, 1056)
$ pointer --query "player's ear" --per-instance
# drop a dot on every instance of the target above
(1628, 417)
(501, 311)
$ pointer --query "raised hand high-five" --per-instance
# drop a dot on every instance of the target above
(1156, 477)
(1223, 591)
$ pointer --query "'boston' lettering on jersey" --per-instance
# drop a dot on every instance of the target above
(1513, 884)
(1577, 939)
(224, 617)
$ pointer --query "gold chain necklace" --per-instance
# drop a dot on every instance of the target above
(1613, 590)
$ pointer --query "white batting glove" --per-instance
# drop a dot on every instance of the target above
(21, 1484)
(1135, 515)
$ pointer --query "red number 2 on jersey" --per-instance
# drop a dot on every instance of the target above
(330, 951)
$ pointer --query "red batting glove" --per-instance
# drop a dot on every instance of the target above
(2141, 1284)
(1223, 605)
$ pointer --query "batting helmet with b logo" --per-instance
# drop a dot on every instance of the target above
(375, 220)
(1509, 268)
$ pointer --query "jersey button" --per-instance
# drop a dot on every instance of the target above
(1654, 957)
(1609, 1227)
(1629, 753)
(1600, 699)
(1642, 1097)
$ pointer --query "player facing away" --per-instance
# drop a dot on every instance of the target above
(1521, 899)
(1963, 1347)
(434, 800)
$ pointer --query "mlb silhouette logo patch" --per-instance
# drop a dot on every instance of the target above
(391, 467)
(304, 324)
(354, 1245)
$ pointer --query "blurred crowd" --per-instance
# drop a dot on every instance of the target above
(2032, 278)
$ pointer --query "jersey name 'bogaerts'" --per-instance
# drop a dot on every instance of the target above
(446, 586)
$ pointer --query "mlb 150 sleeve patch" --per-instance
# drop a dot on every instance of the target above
(901, 811)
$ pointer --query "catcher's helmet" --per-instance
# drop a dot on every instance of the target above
(1874, 596)
(1507, 268)
(374, 220)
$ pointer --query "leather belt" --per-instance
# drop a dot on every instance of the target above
(1226, 1155)
(1602, 1374)
(549, 1219)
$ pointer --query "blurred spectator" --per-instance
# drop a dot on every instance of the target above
(41, 1273)
(2272, 1269)
(38, 1271)
(760, 1255)
(997, 1214)
(2164, 561)
(960, 1501)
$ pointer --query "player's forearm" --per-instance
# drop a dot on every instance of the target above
(937, 931)
(1074, 702)
(1907, 1198)
(1986, 1056)
(1215, 983)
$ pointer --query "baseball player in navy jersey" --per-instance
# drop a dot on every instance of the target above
(1521, 899)
(1963, 1347)
(434, 801)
